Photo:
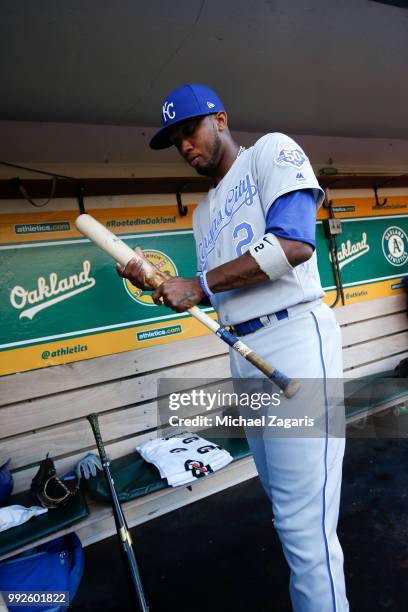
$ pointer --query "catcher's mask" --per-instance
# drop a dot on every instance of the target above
(50, 490)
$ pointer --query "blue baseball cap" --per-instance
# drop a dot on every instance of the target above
(185, 102)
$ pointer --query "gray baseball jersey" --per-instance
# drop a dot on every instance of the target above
(232, 216)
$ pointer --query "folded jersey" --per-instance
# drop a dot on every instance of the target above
(184, 458)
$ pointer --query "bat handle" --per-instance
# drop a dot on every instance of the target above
(93, 420)
(289, 386)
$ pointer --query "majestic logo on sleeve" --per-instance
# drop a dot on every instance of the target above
(167, 113)
(395, 245)
(50, 291)
(290, 156)
(240, 195)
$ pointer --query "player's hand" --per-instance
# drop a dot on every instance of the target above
(178, 293)
(140, 272)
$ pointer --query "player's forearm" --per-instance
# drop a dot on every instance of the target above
(244, 271)
(183, 293)
(240, 272)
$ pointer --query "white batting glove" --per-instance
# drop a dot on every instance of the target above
(88, 466)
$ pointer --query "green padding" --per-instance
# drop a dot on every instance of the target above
(43, 525)
(369, 392)
(134, 477)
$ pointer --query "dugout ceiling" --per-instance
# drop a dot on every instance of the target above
(321, 67)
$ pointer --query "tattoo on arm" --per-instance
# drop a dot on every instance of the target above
(241, 272)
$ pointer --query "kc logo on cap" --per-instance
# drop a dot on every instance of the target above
(166, 110)
(191, 100)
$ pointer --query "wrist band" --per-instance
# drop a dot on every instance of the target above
(204, 285)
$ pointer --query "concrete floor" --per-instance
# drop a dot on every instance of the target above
(222, 554)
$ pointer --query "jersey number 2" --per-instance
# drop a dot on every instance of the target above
(245, 232)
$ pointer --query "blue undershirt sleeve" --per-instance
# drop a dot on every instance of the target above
(293, 216)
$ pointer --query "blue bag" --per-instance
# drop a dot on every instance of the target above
(54, 566)
(6, 483)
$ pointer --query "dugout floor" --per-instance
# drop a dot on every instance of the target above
(221, 554)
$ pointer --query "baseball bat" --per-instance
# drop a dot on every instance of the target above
(121, 252)
(120, 520)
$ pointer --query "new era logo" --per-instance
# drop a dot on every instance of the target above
(210, 105)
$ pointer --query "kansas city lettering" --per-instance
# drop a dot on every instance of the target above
(42, 295)
(243, 193)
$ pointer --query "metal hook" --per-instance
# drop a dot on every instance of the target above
(80, 198)
(377, 201)
(183, 210)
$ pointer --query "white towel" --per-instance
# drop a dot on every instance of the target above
(12, 516)
(185, 458)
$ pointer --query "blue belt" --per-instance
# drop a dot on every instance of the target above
(248, 327)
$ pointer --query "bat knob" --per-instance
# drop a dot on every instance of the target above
(292, 388)
(289, 386)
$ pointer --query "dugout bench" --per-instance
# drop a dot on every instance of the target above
(44, 411)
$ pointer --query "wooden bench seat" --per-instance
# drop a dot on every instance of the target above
(44, 411)
(134, 477)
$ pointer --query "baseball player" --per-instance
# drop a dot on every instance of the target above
(255, 238)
